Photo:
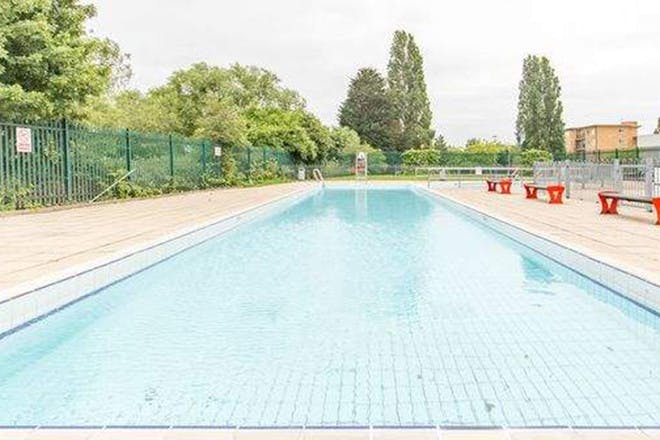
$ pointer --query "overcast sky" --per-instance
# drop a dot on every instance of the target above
(607, 53)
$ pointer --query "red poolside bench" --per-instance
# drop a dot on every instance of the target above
(614, 197)
(555, 192)
(505, 185)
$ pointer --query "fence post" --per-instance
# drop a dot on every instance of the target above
(171, 145)
(567, 178)
(249, 163)
(203, 157)
(649, 177)
(66, 158)
(263, 158)
(617, 175)
(127, 141)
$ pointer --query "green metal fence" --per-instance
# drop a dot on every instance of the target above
(58, 163)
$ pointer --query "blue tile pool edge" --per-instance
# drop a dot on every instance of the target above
(33, 304)
(633, 288)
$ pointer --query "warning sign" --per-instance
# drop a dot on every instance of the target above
(23, 140)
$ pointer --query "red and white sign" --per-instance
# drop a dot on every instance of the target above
(23, 140)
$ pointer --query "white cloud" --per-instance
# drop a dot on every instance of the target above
(605, 52)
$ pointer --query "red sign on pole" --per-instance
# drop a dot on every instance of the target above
(23, 140)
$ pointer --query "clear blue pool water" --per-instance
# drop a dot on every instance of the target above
(351, 307)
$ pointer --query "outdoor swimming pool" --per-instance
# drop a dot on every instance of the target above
(377, 307)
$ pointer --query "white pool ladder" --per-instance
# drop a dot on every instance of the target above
(318, 176)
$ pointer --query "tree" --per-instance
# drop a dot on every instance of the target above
(439, 143)
(49, 65)
(367, 109)
(407, 90)
(281, 129)
(539, 123)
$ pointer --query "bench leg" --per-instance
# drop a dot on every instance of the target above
(656, 205)
(505, 187)
(555, 194)
(531, 193)
(608, 208)
(491, 186)
(613, 207)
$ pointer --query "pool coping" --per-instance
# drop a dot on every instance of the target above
(631, 286)
(29, 302)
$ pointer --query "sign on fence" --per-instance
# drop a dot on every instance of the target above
(23, 140)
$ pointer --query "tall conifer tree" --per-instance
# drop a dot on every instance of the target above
(540, 121)
(407, 90)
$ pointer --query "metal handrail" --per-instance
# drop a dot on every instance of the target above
(318, 176)
(111, 186)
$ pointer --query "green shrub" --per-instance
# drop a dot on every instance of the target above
(526, 158)
(421, 158)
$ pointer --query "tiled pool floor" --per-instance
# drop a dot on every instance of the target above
(328, 434)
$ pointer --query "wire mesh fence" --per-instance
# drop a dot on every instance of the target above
(58, 163)
(584, 180)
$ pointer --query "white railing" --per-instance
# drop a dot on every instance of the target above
(583, 180)
(466, 174)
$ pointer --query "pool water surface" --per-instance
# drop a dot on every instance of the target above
(352, 307)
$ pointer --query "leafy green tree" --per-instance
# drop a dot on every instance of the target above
(49, 65)
(345, 140)
(282, 129)
(319, 134)
(407, 90)
(223, 123)
(367, 109)
(540, 122)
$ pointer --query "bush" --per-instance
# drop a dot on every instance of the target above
(527, 158)
(421, 158)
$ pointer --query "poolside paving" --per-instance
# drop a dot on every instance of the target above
(35, 245)
(630, 241)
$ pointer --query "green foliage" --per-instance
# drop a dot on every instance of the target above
(367, 109)
(282, 129)
(422, 157)
(14, 195)
(49, 65)
(539, 124)
(408, 96)
(346, 140)
(439, 143)
(233, 107)
(529, 156)
(486, 146)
